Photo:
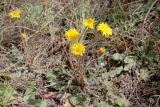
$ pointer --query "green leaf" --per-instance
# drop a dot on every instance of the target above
(122, 102)
(43, 104)
(51, 77)
(30, 92)
(7, 94)
(130, 62)
(101, 61)
(78, 98)
(127, 67)
(30, 96)
(113, 73)
(118, 56)
(147, 5)
(144, 73)
(104, 104)
(37, 9)
(158, 7)
(17, 53)
(15, 75)
(74, 100)
(82, 98)
(33, 13)
(106, 76)
(129, 59)
(38, 103)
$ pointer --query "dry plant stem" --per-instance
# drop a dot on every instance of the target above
(24, 46)
(71, 64)
(79, 74)
(146, 19)
(130, 3)
(45, 6)
(69, 7)
(68, 58)
(82, 37)
(30, 57)
(80, 67)
(126, 47)
(25, 28)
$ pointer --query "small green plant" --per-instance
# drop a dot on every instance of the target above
(128, 62)
(29, 96)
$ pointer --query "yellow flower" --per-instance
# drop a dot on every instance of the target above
(89, 23)
(105, 29)
(78, 49)
(72, 34)
(24, 36)
(15, 13)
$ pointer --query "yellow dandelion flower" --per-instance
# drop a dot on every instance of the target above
(72, 34)
(15, 13)
(89, 23)
(78, 49)
(105, 29)
(24, 36)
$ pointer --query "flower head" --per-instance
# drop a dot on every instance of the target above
(89, 23)
(78, 49)
(72, 34)
(24, 36)
(101, 50)
(15, 13)
(105, 29)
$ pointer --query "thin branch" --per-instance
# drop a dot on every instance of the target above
(146, 19)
